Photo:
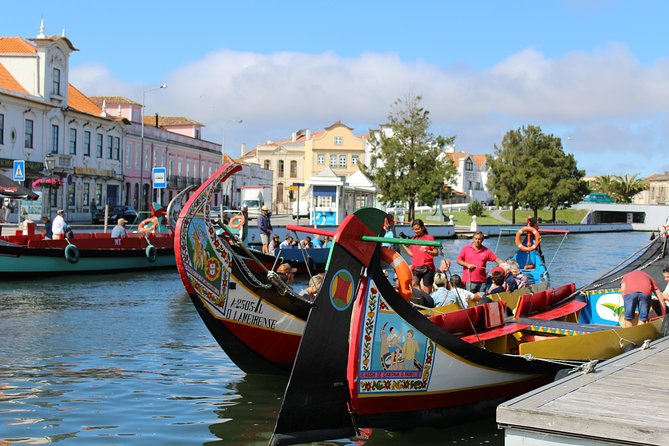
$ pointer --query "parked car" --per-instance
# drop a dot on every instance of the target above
(115, 212)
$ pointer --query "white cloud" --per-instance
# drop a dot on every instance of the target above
(606, 100)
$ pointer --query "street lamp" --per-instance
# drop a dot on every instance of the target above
(141, 150)
(50, 163)
(236, 121)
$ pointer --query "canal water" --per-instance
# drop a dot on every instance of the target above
(124, 359)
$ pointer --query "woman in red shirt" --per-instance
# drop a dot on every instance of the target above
(422, 257)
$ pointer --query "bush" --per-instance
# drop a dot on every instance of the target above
(475, 208)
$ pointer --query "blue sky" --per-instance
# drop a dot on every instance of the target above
(595, 71)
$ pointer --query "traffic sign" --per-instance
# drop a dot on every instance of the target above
(19, 172)
(159, 175)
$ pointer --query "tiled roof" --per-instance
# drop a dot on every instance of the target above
(170, 121)
(8, 82)
(78, 101)
(112, 100)
(54, 39)
(479, 160)
(16, 45)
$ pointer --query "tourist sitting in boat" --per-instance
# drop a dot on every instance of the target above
(419, 296)
(287, 243)
(315, 283)
(457, 293)
(48, 234)
(518, 276)
(286, 272)
(497, 282)
(316, 242)
(440, 290)
(306, 243)
(274, 243)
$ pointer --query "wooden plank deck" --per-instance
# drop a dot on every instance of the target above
(625, 401)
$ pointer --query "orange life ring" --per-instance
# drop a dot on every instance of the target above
(528, 247)
(237, 221)
(144, 225)
(402, 271)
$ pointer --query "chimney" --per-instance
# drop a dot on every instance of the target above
(243, 149)
(307, 134)
(156, 119)
(294, 137)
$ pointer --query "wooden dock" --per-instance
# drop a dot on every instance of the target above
(624, 401)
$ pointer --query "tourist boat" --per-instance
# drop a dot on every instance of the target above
(26, 253)
(369, 359)
(256, 318)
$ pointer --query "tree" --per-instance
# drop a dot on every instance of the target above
(605, 184)
(531, 169)
(627, 187)
(408, 170)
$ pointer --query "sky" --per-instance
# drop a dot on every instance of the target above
(594, 73)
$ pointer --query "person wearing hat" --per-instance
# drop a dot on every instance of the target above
(286, 272)
(59, 225)
(119, 229)
(265, 228)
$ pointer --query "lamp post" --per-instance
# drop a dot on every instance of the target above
(141, 150)
(50, 163)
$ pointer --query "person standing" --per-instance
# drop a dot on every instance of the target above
(48, 234)
(59, 225)
(422, 257)
(94, 209)
(637, 287)
(119, 230)
(473, 258)
(265, 228)
(6, 208)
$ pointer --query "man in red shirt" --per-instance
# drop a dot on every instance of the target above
(473, 259)
(637, 288)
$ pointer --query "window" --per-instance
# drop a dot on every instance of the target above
(2, 128)
(71, 194)
(469, 165)
(110, 146)
(323, 201)
(354, 160)
(86, 193)
(87, 143)
(73, 141)
(281, 169)
(321, 159)
(54, 138)
(293, 169)
(56, 81)
(117, 147)
(338, 140)
(266, 165)
(342, 161)
(98, 194)
(128, 154)
(28, 139)
(333, 160)
(99, 145)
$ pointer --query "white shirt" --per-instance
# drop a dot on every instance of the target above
(58, 225)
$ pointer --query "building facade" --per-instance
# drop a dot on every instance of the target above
(43, 116)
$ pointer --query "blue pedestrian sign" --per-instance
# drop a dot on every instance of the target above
(159, 175)
(19, 172)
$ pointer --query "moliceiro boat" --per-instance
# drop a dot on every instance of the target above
(369, 359)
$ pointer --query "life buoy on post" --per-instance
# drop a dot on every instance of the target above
(528, 246)
(151, 253)
(402, 271)
(148, 225)
(237, 221)
(71, 253)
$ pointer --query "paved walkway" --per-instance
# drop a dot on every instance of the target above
(497, 213)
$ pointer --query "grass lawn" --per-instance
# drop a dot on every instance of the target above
(570, 216)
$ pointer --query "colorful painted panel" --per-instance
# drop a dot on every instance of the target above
(604, 307)
(394, 356)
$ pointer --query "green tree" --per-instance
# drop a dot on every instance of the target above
(475, 208)
(407, 151)
(531, 169)
(605, 184)
(627, 187)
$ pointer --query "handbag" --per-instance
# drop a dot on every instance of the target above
(420, 270)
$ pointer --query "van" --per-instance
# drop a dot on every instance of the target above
(304, 207)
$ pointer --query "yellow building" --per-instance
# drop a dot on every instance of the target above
(327, 158)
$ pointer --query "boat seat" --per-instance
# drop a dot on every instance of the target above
(507, 329)
(562, 310)
(18, 239)
(531, 303)
(558, 294)
(472, 319)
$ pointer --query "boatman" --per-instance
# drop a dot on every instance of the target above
(58, 226)
(265, 228)
(473, 259)
(637, 287)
